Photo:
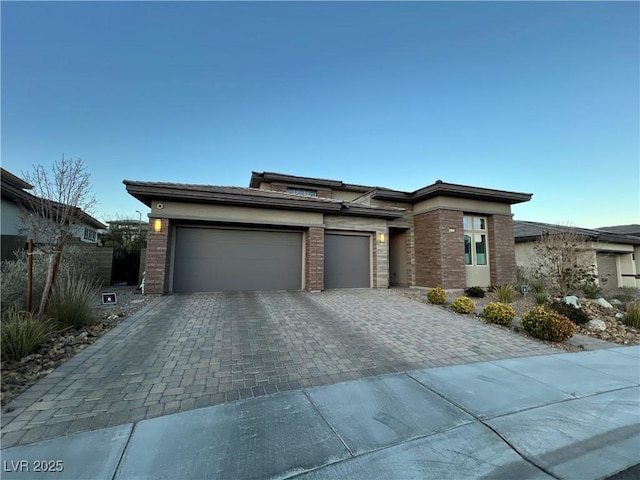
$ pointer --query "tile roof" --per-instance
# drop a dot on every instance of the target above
(527, 231)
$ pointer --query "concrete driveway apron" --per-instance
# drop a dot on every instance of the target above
(189, 351)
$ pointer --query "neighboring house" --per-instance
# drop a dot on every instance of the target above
(125, 233)
(289, 233)
(614, 256)
(15, 197)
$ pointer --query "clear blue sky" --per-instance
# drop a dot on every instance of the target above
(538, 97)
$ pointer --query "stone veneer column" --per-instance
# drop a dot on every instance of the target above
(157, 263)
(502, 251)
(314, 259)
(439, 253)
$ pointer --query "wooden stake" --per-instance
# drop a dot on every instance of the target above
(29, 274)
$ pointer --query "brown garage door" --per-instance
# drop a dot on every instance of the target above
(346, 261)
(218, 260)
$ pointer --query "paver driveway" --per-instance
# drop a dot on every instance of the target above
(189, 351)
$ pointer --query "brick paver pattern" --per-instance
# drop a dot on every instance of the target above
(188, 351)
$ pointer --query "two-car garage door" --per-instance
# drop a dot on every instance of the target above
(217, 260)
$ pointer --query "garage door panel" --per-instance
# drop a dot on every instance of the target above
(212, 260)
(347, 261)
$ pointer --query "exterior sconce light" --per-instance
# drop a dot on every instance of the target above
(382, 238)
(157, 225)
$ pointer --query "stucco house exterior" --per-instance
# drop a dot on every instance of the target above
(286, 232)
(15, 194)
(614, 256)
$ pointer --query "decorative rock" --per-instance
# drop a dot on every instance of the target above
(619, 315)
(596, 324)
(572, 300)
(602, 302)
(615, 301)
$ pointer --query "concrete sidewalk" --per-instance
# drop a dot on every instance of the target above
(571, 415)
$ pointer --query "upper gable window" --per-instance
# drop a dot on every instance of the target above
(302, 192)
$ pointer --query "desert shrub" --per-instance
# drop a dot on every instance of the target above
(21, 333)
(592, 290)
(13, 282)
(576, 315)
(72, 300)
(632, 318)
(437, 296)
(540, 297)
(537, 285)
(547, 324)
(504, 293)
(499, 313)
(625, 294)
(474, 292)
(463, 305)
(79, 261)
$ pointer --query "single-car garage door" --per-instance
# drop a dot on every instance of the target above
(218, 260)
(346, 261)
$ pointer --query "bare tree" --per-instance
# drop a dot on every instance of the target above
(564, 260)
(60, 202)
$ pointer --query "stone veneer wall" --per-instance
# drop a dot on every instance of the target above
(439, 253)
(158, 258)
(314, 259)
(502, 255)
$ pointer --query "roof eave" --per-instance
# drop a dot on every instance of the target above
(146, 194)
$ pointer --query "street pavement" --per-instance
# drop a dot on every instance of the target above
(562, 416)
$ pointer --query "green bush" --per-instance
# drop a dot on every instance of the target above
(632, 318)
(437, 296)
(474, 292)
(547, 325)
(72, 301)
(591, 290)
(463, 305)
(537, 285)
(576, 315)
(504, 293)
(540, 297)
(21, 333)
(499, 313)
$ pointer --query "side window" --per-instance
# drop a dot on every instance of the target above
(467, 249)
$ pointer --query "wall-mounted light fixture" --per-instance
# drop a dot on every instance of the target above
(157, 225)
(382, 238)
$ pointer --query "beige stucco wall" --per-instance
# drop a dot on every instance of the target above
(342, 195)
(10, 218)
(225, 213)
(463, 204)
(380, 251)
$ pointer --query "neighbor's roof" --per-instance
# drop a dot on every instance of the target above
(632, 229)
(526, 231)
(14, 189)
(146, 192)
(9, 178)
(439, 188)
